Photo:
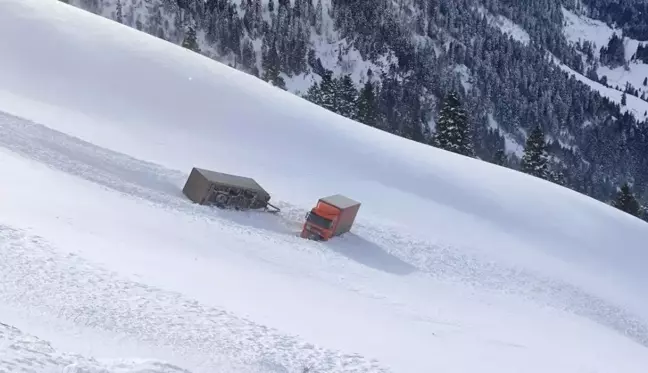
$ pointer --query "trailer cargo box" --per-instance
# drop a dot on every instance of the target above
(207, 187)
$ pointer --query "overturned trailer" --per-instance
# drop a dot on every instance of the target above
(222, 190)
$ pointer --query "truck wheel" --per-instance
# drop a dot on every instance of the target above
(221, 199)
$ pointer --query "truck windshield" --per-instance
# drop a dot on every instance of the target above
(319, 220)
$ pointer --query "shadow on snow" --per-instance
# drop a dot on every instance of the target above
(369, 254)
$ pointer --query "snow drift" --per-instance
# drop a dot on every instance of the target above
(450, 256)
(20, 352)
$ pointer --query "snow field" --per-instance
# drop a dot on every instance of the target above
(108, 304)
(450, 257)
(20, 352)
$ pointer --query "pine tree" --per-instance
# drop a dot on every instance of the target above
(535, 157)
(499, 158)
(453, 130)
(626, 201)
(557, 177)
(190, 41)
(318, 24)
(248, 56)
(119, 16)
(367, 108)
(624, 99)
(271, 65)
(279, 82)
(645, 82)
(314, 94)
(614, 54)
(329, 92)
(348, 97)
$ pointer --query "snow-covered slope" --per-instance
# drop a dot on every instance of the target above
(506, 26)
(20, 352)
(454, 265)
(634, 105)
(579, 28)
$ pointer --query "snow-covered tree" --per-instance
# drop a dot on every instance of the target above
(499, 158)
(614, 54)
(248, 56)
(367, 108)
(535, 157)
(626, 201)
(314, 94)
(191, 41)
(271, 64)
(453, 130)
(348, 97)
(119, 15)
(317, 21)
(557, 176)
(329, 93)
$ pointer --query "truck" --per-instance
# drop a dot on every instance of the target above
(332, 216)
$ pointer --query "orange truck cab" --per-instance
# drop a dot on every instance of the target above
(332, 216)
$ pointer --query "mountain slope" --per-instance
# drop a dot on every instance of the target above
(499, 55)
(450, 255)
(628, 77)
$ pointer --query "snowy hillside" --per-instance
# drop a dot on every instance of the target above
(506, 26)
(393, 63)
(20, 352)
(579, 29)
(453, 265)
(159, 18)
(633, 105)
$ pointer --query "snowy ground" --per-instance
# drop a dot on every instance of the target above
(450, 257)
(82, 300)
(82, 296)
(20, 352)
